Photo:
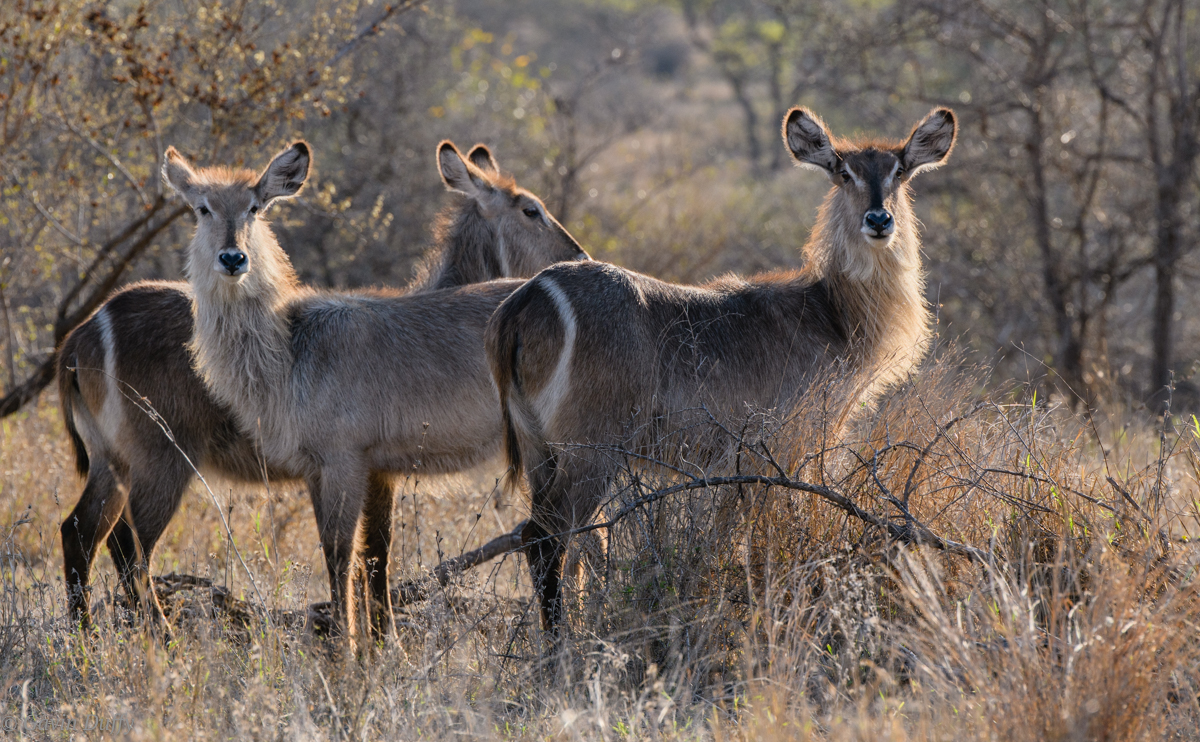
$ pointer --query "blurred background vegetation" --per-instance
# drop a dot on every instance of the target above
(1060, 241)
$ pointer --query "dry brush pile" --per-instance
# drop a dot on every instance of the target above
(953, 564)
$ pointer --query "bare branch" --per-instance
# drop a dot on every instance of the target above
(372, 28)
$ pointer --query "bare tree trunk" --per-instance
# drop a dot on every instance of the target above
(1166, 253)
(1068, 361)
(753, 147)
(1173, 172)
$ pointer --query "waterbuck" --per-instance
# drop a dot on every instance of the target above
(344, 388)
(588, 356)
(136, 344)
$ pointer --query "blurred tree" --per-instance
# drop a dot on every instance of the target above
(1167, 77)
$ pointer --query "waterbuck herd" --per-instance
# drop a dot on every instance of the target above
(511, 340)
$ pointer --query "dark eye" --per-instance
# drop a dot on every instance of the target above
(845, 176)
(254, 209)
(203, 211)
(531, 212)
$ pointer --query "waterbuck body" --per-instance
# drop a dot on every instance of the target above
(135, 347)
(590, 356)
(346, 389)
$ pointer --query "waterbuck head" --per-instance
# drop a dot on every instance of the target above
(520, 234)
(231, 239)
(870, 178)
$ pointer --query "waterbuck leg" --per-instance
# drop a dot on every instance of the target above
(126, 552)
(545, 555)
(98, 510)
(377, 544)
(153, 500)
(338, 496)
(566, 494)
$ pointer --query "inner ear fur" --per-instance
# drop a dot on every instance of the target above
(457, 173)
(286, 174)
(481, 157)
(809, 141)
(177, 172)
(931, 141)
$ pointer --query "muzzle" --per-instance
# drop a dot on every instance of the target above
(878, 224)
(233, 263)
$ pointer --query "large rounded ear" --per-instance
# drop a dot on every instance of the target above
(457, 173)
(178, 174)
(809, 141)
(481, 157)
(286, 174)
(930, 142)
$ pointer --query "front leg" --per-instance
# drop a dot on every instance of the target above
(338, 494)
(377, 544)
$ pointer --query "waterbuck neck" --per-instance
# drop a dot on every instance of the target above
(466, 249)
(878, 289)
(242, 345)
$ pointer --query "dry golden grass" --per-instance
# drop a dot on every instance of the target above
(1064, 607)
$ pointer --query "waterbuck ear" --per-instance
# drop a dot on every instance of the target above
(179, 175)
(458, 174)
(286, 174)
(808, 139)
(481, 157)
(930, 142)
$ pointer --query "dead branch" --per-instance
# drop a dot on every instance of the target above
(912, 532)
(29, 389)
(319, 614)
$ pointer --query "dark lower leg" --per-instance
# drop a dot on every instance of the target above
(545, 567)
(128, 558)
(154, 498)
(377, 544)
(98, 509)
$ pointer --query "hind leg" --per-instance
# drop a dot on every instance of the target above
(98, 510)
(154, 498)
(565, 496)
(377, 544)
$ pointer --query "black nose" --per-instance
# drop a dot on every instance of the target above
(880, 221)
(233, 261)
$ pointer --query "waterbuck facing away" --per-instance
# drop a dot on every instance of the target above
(136, 344)
(584, 354)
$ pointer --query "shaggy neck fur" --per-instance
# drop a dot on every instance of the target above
(242, 346)
(879, 290)
(463, 251)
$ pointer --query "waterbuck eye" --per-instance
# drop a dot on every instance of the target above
(203, 210)
(845, 176)
(253, 209)
(531, 212)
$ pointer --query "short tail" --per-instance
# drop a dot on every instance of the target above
(68, 394)
(503, 340)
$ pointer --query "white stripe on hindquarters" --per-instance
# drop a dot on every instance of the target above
(546, 403)
(111, 413)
